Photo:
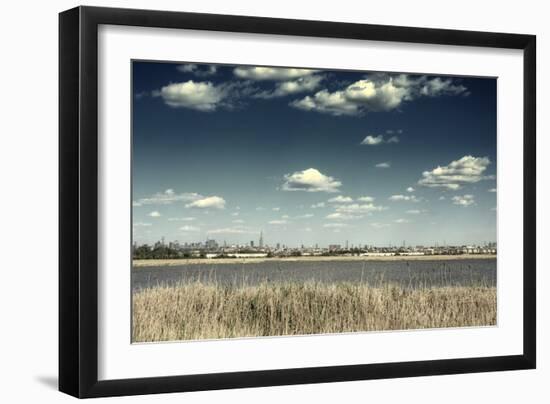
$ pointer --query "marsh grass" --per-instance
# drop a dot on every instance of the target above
(208, 310)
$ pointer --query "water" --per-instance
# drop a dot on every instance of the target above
(413, 274)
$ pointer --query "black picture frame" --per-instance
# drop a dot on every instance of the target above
(78, 201)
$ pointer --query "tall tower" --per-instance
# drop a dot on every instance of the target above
(261, 239)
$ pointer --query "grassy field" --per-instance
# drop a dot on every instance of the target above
(208, 311)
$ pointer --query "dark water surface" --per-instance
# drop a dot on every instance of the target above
(414, 274)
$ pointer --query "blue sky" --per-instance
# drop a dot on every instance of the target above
(312, 156)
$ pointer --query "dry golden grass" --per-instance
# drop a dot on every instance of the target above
(208, 311)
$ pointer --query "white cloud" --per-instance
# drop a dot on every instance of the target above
(442, 198)
(199, 71)
(393, 139)
(385, 164)
(318, 205)
(285, 216)
(414, 212)
(276, 209)
(181, 219)
(277, 222)
(188, 228)
(492, 190)
(341, 199)
(325, 102)
(305, 216)
(365, 199)
(310, 180)
(238, 221)
(271, 73)
(378, 92)
(356, 208)
(467, 170)
(200, 96)
(155, 213)
(235, 214)
(308, 229)
(401, 221)
(375, 140)
(209, 202)
(166, 198)
(342, 216)
(464, 200)
(335, 225)
(232, 230)
(410, 198)
(410, 189)
(380, 225)
(284, 88)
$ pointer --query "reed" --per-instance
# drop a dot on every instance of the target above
(207, 310)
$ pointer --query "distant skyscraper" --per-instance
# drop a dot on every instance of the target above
(251, 243)
(261, 239)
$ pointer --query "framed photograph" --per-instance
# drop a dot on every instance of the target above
(252, 202)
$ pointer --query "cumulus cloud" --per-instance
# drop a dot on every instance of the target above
(380, 225)
(365, 199)
(198, 70)
(188, 228)
(410, 198)
(414, 212)
(166, 198)
(341, 199)
(209, 202)
(310, 180)
(373, 140)
(305, 216)
(276, 209)
(410, 189)
(385, 164)
(401, 221)
(376, 140)
(141, 224)
(492, 190)
(201, 96)
(318, 205)
(285, 88)
(467, 170)
(378, 92)
(271, 73)
(155, 213)
(463, 200)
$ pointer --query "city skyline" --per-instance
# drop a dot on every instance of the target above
(312, 156)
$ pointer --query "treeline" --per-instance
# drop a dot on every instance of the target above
(145, 252)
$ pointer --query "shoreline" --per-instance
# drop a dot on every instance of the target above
(218, 261)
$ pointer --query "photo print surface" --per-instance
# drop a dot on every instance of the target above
(279, 201)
